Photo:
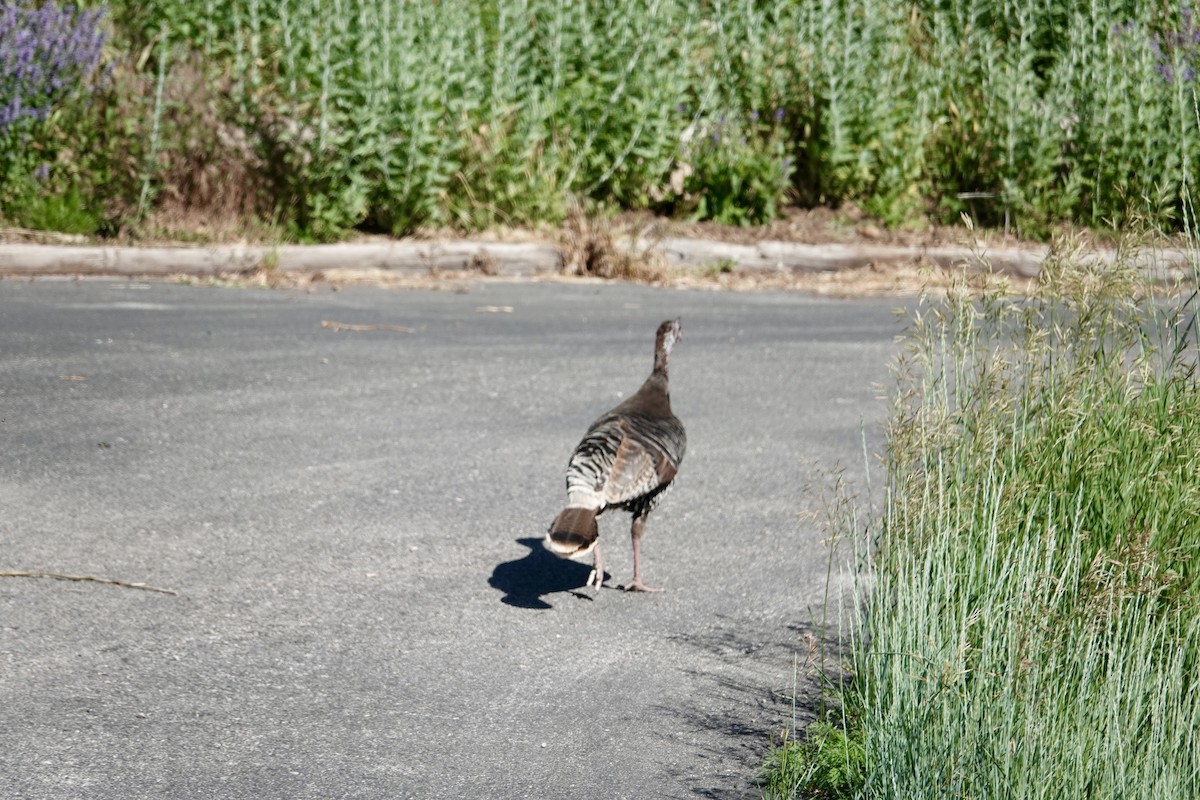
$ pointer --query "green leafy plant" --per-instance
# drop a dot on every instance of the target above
(734, 170)
(827, 763)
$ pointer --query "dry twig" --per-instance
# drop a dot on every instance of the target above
(346, 326)
(58, 576)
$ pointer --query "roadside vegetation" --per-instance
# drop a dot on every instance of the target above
(316, 118)
(1028, 625)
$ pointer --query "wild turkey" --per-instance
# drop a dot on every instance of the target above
(626, 460)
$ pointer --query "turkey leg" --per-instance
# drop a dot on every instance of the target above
(638, 528)
(597, 575)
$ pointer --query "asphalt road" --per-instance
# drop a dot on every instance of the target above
(352, 522)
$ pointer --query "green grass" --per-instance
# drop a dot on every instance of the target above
(1031, 627)
(326, 116)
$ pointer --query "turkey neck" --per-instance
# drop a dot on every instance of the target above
(654, 397)
(661, 353)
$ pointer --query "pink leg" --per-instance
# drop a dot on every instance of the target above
(636, 585)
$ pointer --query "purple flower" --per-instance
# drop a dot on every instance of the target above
(779, 115)
(47, 53)
(1176, 51)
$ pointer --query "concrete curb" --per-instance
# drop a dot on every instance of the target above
(795, 257)
(399, 257)
(526, 259)
(767, 256)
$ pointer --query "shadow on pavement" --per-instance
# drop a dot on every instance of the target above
(743, 715)
(525, 580)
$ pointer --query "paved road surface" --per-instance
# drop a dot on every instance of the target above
(352, 521)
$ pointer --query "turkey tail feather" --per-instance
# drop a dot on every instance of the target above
(573, 532)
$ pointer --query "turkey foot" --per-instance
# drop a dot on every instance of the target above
(596, 578)
(636, 585)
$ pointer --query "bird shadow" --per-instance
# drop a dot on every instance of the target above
(539, 572)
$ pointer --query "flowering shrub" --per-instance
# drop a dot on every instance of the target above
(46, 52)
(1178, 51)
(48, 57)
